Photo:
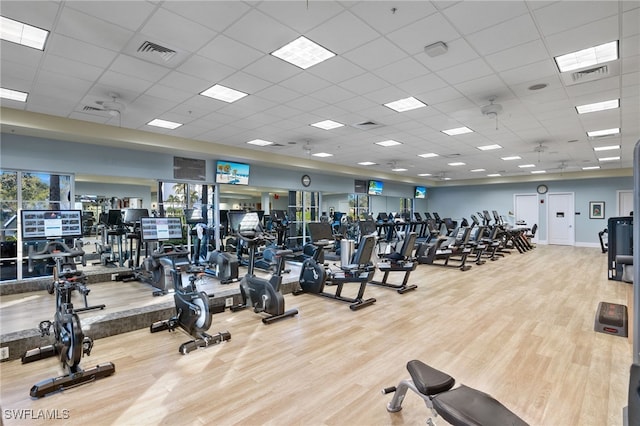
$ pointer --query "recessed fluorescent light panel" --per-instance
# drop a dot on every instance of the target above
(367, 163)
(260, 142)
(457, 163)
(489, 147)
(538, 172)
(406, 104)
(609, 158)
(327, 124)
(605, 132)
(389, 142)
(322, 154)
(223, 93)
(494, 175)
(13, 95)
(26, 35)
(513, 157)
(606, 148)
(399, 169)
(526, 166)
(591, 168)
(598, 106)
(164, 124)
(424, 174)
(457, 131)
(587, 57)
(478, 170)
(428, 155)
(303, 53)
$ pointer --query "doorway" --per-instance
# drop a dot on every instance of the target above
(561, 218)
(625, 203)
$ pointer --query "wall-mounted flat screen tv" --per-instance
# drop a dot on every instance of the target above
(421, 192)
(232, 173)
(375, 187)
(160, 228)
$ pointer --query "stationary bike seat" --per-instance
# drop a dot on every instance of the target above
(428, 380)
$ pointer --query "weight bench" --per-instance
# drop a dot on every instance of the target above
(462, 406)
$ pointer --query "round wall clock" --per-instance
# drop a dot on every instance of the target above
(542, 189)
(306, 180)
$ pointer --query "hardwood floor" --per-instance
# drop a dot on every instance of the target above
(520, 329)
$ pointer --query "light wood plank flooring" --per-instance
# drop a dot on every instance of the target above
(520, 328)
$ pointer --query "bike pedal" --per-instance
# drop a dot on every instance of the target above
(87, 345)
(45, 328)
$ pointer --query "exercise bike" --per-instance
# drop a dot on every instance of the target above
(261, 294)
(314, 275)
(64, 266)
(193, 316)
(462, 406)
(70, 342)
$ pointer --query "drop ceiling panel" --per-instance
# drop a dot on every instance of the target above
(521, 30)
(472, 17)
(342, 33)
(465, 72)
(89, 29)
(459, 51)
(524, 54)
(215, 15)
(251, 30)
(565, 15)
(301, 16)
(414, 37)
(130, 15)
(80, 51)
(382, 16)
(604, 31)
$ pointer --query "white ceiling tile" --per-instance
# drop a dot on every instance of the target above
(252, 27)
(80, 51)
(41, 14)
(414, 37)
(521, 30)
(470, 17)
(17, 76)
(518, 56)
(186, 82)
(342, 33)
(481, 89)
(422, 84)
(402, 70)
(128, 65)
(375, 54)
(72, 68)
(230, 52)
(272, 69)
(336, 70)
(305, 83)
(125, 82)
(216, 15)
(465, 72)
(459, 51)
(301, 16)
(206, 69)
(244, 82)
(381, 15)
(333, 94)
(166, 26)
(565, 15)
(92, 30)
(277, 93)
(364, 83)
(537, 71)
(130, 15)
(604, 31)
(443, 94)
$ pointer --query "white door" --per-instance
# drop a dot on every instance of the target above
(526, 210)
(625, 203)
(561, 218)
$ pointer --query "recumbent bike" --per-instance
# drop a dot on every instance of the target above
(261, 294)
(193, 315)
(315, 275)
(70, 342)
(462, 406)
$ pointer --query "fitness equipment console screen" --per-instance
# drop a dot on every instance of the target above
(50, 224)
(161, 228)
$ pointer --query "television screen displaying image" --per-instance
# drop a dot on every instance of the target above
(232, 173)
(161, 228)
(421, 192)
(375, 187)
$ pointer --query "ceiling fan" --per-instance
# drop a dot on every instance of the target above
(492, 110)
(113, 107)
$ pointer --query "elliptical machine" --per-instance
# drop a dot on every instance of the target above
(261, 294)
(70, 342)
(193, 316)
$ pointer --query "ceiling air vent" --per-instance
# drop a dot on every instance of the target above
(590, 74)
(164, 52)
(367, 125)
(90, 108)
